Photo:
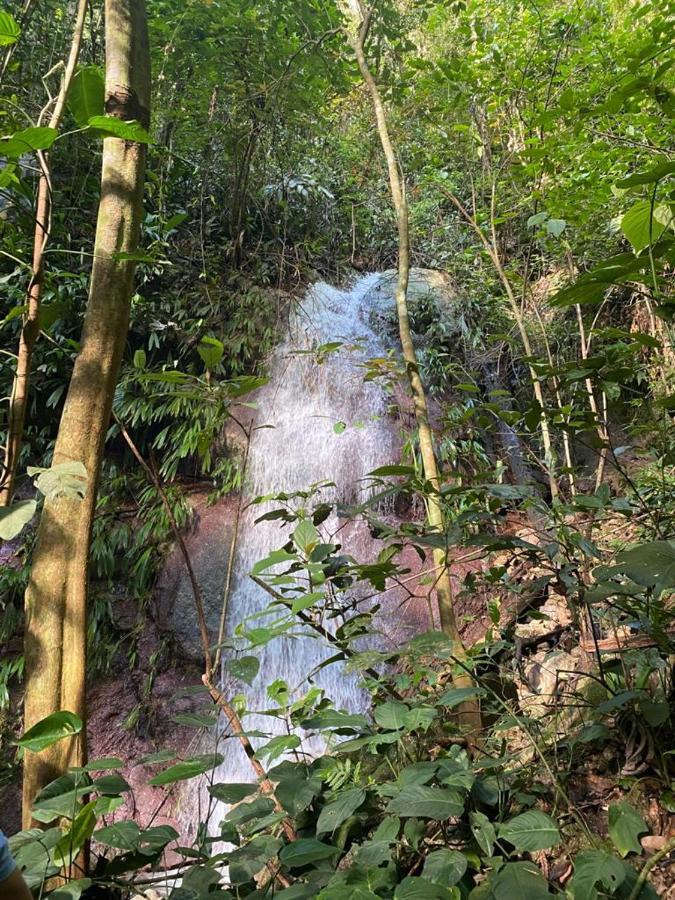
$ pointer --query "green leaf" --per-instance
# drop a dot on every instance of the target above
(245, 668)
(625, 825)
(28, 141)
(74, 839)
(416, 888)
(296, 794)
(532, 830)
(483, 831)
(306, 536)
(14, 518)
(86, 95)
(140, 359)
(103, 763)
(339, 427)
(277, 746)
(276, 557)
(337, 812)
(61, 797)
(111, 785)
(122, 835)
(649, 565)
(383, 471)
(232, 793)
(110, 126)
(211, 351)
(640, 220)
(456, 696)
(189, 768)
(426, 802)
(258, 808)
(31, 850)
(391, 715)
(592, 867)
(537, 219)
(68, 479)
(71, 891)
(519, 880)
(656, 173)
(305, 851)
(9, 29)
(50, 731)
(556, 227)
(446, 867)
(336, 718)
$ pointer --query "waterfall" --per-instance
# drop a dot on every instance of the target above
(295, 443)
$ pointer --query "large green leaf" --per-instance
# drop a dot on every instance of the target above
(67, 479)
(28, 141)
(9, 29)
(245, 668)
(483, 831)
(277, 746)
(306, 536)
(416, 888)
(232, 793)
(32, 854)
(426, 802)
(305, 851)
(14, 518)
(649, 565)
(120, 835)
(50, 730)
(74, 839)
(391, 715)
(189, 768)
(296, 793)
(211, 351)
(532, 830)
(71, 891)
(643, 225)
(592, 867)
(110, 126)
(625, 826)
(87, 93)
(649, 176)
(445, 867)
(518, 881)
(337, 812)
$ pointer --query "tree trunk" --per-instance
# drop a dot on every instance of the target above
(56, 599)
(31, 322)
(435, 516)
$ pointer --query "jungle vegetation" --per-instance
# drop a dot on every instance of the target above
(173, 177)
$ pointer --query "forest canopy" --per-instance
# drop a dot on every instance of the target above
(337, 469)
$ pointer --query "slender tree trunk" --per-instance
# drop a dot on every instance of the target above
(469, 713)
(31, 323)
(56, 599)
(493, 252)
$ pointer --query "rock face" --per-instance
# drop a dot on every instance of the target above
(209, 545)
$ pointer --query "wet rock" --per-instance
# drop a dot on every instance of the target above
(208, 544)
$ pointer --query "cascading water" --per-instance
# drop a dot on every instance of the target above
(295, 444)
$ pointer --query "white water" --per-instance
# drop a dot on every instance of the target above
(302, 403)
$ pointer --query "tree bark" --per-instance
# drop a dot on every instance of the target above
(435, 515)
(56, 598)
(31, 322)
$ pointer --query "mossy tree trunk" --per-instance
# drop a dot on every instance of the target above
(56, 598)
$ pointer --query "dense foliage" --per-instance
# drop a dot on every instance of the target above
(536, 145)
